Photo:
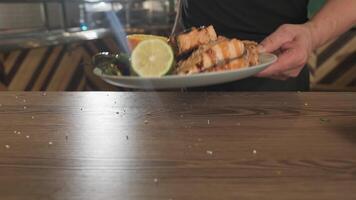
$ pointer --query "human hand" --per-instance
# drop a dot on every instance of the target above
(293, 44)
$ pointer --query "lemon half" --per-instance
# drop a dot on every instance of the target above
(152, 58)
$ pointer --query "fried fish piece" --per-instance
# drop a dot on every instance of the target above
(250, 58)
(252, 52)
(212, 54)
(235, 64)
(190, 40)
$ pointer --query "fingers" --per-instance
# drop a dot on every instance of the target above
(284, 63)
(287, 74)
(293, 72)
(274, 42)
(294, 44)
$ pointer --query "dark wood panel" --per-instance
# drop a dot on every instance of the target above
(49, 65)
(27, 69)
(178, 146)
(51, 68)
(62, 76)
(2, 57)
(333, 65)
(11, 60)
(3, 87)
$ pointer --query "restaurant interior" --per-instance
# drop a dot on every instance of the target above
(115, 100)
(47, 45)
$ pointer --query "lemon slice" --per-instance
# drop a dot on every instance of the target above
(135, 39)
(143, 37)
(152, 58)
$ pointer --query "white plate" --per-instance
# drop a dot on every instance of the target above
(181, 81)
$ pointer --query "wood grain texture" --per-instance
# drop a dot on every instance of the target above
(178, 146)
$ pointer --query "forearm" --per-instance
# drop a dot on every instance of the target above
(335, 18)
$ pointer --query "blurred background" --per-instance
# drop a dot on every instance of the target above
(47, 45)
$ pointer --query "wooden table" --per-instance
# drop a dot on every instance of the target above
(265, 146)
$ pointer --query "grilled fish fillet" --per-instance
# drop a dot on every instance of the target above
(186, 42)
(210, 55)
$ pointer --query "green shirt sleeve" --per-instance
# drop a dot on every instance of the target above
(314, 6)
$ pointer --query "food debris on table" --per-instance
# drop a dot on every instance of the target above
(7, 146)
(127, 137)
(146, 121)
(306, 104)
(33, 117)
(27, 136)
(117, 113)
(24, 100)
(209, 152)
(155, 180)
(18, 132)
(324, 120)
(50, 143)
(254, 151)
(44, 94)
(238, 124)
(24, 107)
(15, 132)
(208, 122)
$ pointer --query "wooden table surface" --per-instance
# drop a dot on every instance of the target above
(173, 146)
